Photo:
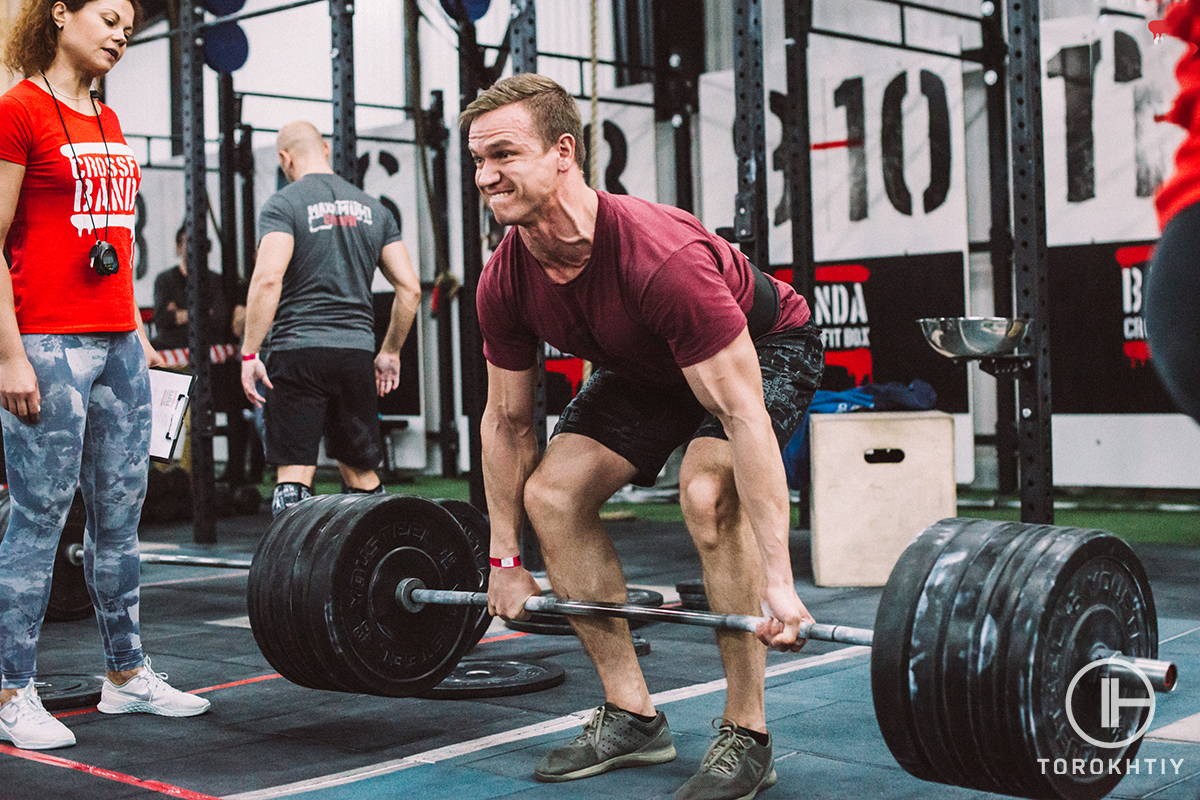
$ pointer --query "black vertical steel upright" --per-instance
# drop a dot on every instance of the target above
(1022, 20)
(196, 202)
(523, 41)
(438, 138)
(685, 192)
(245, 168)
(797, 150)
(995, 56)
(229, 115)
(523, 36)
(474, 376)
(345, 135)
(751, 224)
(678, 59)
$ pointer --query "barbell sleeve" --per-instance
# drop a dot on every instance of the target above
(411, 594)
(1162, 675)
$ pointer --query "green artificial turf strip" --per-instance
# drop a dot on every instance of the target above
(1176, 527)
(1135, 526)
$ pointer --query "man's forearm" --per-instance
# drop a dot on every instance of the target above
(509, 457)
(762, 489)
(404, 311)
(260, 313)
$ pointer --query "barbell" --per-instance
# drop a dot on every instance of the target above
(983, 641)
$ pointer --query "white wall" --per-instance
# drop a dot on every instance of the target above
(289, 53)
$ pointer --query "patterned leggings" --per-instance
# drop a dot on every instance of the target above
(94, 431)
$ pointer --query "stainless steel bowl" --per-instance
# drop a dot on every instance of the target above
(972, 337)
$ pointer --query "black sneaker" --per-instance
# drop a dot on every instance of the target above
(611, 739)
(735, 768)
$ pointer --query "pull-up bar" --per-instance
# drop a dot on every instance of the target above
(199, 27)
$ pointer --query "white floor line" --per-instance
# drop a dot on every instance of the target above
(1184, 730)
(231, 622)
(1179, 635)
(199, 579)
(517, 734)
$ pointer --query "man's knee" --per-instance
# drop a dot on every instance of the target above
(709, 503)
(547, 500)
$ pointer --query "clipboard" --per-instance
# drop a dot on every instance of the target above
(170, 393)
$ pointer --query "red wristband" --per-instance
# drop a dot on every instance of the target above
(249, 356)
(505, 563)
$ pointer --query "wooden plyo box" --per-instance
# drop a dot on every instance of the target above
(878, 480)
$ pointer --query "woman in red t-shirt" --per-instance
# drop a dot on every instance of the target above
(1173, 283)
(74, 384)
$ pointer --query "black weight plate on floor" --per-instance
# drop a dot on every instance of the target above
(890, 651)
(69, 597)
(969, 642)
(479, 532)
(474, 678)
(644, 597)
(266, 587)
(274, 599)
(930, 677)
(694, 602)
(375, 543)
(1004, 749)
(690, 586)
(549, 624)
(641, 646)
(313, 644)
(305, 646)
(62, 692)
(1092, 592)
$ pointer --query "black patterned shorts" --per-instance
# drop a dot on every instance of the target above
(644, 423)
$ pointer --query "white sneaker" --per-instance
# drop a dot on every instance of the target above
(25, 723)
(149, 692)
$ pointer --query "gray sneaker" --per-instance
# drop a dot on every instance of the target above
(611, 739)
(735, 768)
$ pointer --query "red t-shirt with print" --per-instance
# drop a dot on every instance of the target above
(1182, 188)
(55, 289)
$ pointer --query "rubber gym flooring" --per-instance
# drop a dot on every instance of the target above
(267, 738)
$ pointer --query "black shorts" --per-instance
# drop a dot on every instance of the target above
(323, 391)
(644, 423)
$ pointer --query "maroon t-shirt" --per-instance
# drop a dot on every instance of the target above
(659, 293)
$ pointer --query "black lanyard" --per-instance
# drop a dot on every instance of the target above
(103, 255)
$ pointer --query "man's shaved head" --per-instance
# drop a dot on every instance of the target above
(301, 150)
(300, 139)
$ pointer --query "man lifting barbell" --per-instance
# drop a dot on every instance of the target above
(693, 345)
(986, 633)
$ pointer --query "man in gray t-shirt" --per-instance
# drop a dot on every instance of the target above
(320, 240)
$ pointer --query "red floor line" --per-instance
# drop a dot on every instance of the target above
(231, 684)
(108, 774)
(202, 690)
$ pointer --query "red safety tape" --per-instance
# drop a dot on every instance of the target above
(201, 690)
(217, 354)
(64, 763)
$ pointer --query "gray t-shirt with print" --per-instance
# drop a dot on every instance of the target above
(338, 232)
